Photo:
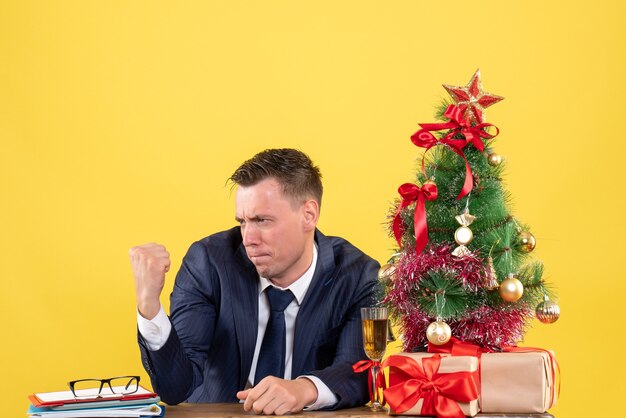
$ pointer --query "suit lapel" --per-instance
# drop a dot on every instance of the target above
(243, 282)
(308, 321)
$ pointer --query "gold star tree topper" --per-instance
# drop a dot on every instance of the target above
(472, 99)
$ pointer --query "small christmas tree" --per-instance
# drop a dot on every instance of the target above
(463, 266)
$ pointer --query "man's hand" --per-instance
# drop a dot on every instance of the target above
(150, 263)
(278, 396)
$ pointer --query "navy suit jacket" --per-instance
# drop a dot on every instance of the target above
(214, 313)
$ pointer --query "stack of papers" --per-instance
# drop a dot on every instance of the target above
(142, 403)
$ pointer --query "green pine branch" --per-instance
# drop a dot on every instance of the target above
(441, 294)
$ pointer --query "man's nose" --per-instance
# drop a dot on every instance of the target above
(249, 235)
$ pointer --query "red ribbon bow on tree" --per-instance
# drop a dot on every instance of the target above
(457, 125)
(440, 391)
(412, 193)
(381, 382)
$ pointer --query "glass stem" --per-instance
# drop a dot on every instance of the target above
(376, 400)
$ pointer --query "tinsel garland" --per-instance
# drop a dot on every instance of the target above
(488, 326)
(491, 327)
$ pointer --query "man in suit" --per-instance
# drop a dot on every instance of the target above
(267, 313)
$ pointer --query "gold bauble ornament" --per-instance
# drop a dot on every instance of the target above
(387, 273)
(547, 311)
(438, 332)
(527, 241)
(511, 289)
(494, 159)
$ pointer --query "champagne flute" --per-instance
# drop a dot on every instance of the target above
(374, 322)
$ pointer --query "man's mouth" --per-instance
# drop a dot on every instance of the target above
(257, 256)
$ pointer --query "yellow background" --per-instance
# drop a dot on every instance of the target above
(121, 120)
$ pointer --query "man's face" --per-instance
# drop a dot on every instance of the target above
(277, 234)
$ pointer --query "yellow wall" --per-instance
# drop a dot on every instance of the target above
(120, 122)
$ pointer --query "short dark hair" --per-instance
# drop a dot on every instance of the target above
(292, 168)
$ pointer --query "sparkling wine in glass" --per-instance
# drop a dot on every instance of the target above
(374, 321)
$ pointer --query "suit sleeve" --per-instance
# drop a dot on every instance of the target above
(176, 368)
(351, 388)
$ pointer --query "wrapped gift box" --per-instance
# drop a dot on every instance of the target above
(448, 365)
(517, 382)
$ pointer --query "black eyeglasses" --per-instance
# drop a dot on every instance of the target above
(102, 388)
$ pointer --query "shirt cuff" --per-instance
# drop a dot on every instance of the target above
(155, 331)
(325, 397)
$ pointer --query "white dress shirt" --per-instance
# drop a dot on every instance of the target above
(156, 331)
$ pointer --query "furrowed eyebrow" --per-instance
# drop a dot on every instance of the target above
(254, 218)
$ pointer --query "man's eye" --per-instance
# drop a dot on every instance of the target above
(261, 220)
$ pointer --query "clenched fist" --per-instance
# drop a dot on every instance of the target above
(150, 263)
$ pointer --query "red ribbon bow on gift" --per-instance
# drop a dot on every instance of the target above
(381, 382)
(440, 391)
(456, 347)
(412, 193)
(457, 125)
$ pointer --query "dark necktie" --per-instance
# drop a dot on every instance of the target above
(271, 360)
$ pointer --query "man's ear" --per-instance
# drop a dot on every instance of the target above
(311, 212)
